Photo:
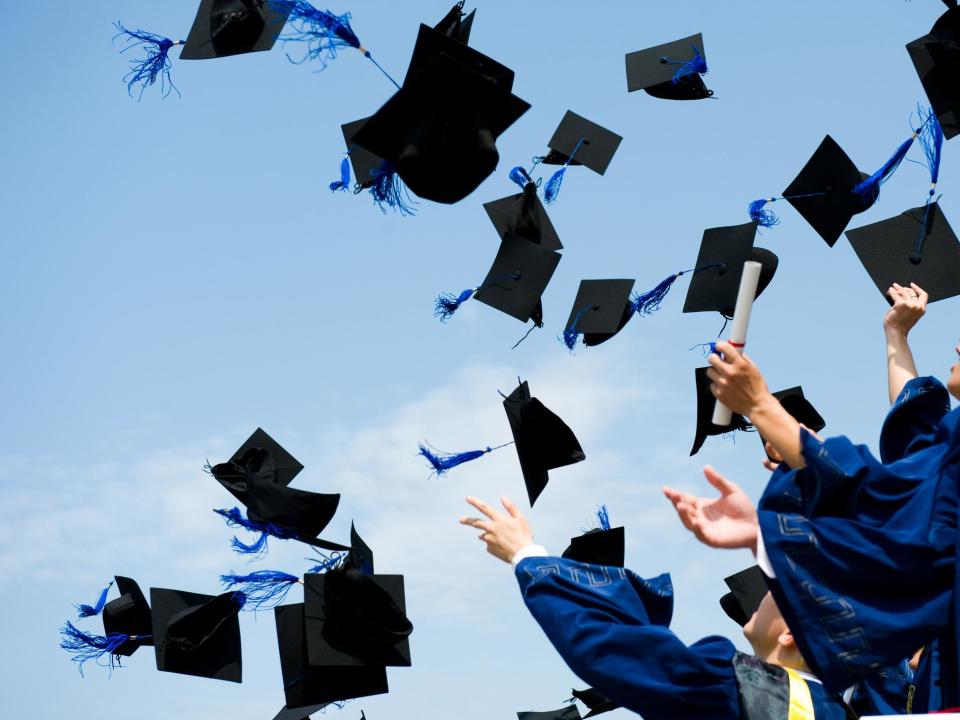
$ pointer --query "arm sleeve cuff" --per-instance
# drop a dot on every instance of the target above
(529, 551)
(763, 560)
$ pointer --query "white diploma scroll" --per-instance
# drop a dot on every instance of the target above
(741, 320)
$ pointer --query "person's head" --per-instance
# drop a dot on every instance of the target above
(771, 639)
(953, 384)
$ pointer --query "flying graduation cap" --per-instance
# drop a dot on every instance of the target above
(936, 57)
(917, 246)
(705, 405)
(604, 545)
(258, 476)
(747, 590)
(568, 713)
(595, 701)
(601, 309)
(576, 141)
(303, 713)
(673, 71)
(439, 130)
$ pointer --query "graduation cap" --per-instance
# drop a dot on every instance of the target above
(303, 713)
(888, 250)
(304, 685)
(715, 279)
(260, 458)
(568, 713)
(524, 216)
(601, 309)
(705, 405)
(128, 615)
(595, 701)
(600, 546)
(543, 441)
(672, 71)
(439, 130)
(233, 27)
(367, 167)
(457, 24)
(197, 634)
(936, 57)
(578, 141)
(747, 590)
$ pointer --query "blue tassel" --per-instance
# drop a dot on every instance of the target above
(234, 518)
(447, 304)
(552, 188)
(603, 517)
(388, 189)
(760, 215)
(520, 177)
(649, 302)
(263, 588)
(86, 647)
(697, 65)
(86, 611)
(344, 182)
(442, 462)
(931, 140)
(868, 191)
(571, 334)
(145, 71)
(329, 562)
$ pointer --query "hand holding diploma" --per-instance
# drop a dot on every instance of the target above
(749, 280)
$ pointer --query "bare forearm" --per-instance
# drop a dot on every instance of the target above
(780, 429)
(901, 368)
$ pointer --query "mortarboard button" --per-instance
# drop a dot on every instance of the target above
(917, 246)
(671, 71)
(705, 405)
(233, 27)
(601, 309)
(128, 614)
(197, 634)
(747, 588)
(543, 441)
(305, 685)
(716, 277)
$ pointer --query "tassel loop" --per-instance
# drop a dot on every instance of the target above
(144, 72)
(520, 176)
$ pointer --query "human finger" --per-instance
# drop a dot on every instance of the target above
(770, 465)
(477, 523)
(484, 508)
(511, 509)
(730, 353)
(921, 293)
(719, 481)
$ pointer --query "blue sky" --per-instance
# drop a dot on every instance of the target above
(176, 274)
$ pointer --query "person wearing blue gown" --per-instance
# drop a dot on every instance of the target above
(612, 628)
(860, 552)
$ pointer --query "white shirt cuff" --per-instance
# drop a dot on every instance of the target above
(529, 551)
(762, 559)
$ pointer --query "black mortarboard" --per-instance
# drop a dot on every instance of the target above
(543, 440)
(440, 129)
(601, 309)
(716, 278)
(523, 215)
(365, 164)
(598, 547)
(457, 24)
(594, 700)
(304, 685)
(128, 614)
(232, 27)
(706, 402)
(829, 177)
(361, 556)
(670, 71)
(432, 43)
(936, 57)
(302, 713)
(596, 150)
(799, 407)
(568, 713)
(260, 456)
(354, 619)
(519, 276)
(747, 590)
(889, 248)
(197, 634)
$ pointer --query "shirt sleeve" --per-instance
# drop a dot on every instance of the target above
(610, 626)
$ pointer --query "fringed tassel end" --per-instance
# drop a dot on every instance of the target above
(649, 302)
(447, 304)
(262, 589)
(389, 190)
(234, 518)
(868, 191)
(85, 611)
(552, 189)
(697, 65)
(442, 462)
(328, 563)
(86, 647)
(520, 177)
(931, 140)
(344, 182)
(603, 517)
(322, 32)
(144, 72)
(760, 215)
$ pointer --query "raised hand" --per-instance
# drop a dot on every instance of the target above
(729, 521)
(504, 535)
(736, 381)
(909, 305)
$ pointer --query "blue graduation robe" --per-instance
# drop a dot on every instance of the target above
(864, 551)
(611, 628)
(888, 692)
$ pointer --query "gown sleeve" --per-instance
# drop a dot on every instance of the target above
(887, 692)
(610, 626)
(911, 425)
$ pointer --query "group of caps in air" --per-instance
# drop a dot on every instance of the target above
(858, 554)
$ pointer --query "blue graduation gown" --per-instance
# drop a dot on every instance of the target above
(611, 628)
(864, 551)
(888, 692)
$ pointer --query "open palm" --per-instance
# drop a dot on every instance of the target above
(729, 521)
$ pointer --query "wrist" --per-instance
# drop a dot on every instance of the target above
(895, 333)
(764, 405)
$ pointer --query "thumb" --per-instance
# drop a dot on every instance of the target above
(719, 481)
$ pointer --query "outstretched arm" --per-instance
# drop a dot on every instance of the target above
(909, 305)
(729, 521)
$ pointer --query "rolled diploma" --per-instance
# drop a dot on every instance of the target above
(741, 320)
